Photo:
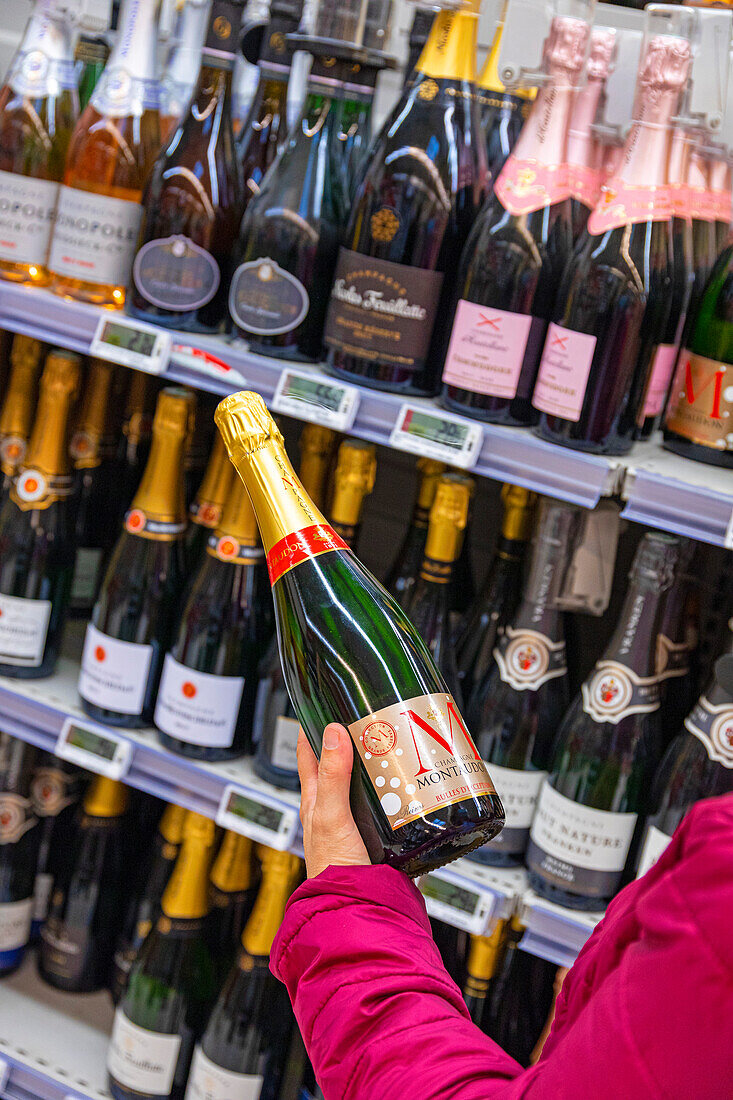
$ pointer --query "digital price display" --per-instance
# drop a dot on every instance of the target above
(450, 901)
(132, 343)
(94, 749)
(446, 438)
(256, 816)
(314, 399)
(457, 897)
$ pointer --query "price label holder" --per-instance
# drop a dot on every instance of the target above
(461, 905)
(93, 748)
(257, 815)
(132, 343)
(318, 400)
(4, 1075)
(728, 542)
(420, 431)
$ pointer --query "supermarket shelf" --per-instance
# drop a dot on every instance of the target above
(552, 932)
(53, 1045)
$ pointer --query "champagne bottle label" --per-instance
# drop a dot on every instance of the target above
(563, 374)
(655, 843)
(16, 817)
(621, 204)
(227, 548)
(701, 401)
(518, 791)
(34, 490)
(94, 237)
(419, 757)
(713, 725)
(87, 567)
(702, 204)
(615, 691)
(196, 707)
(27, 209)
(577, 848)
(673, 658)
(15, 929)
(266, 299)
(176, 274)
(141, 1060)
(527, 659)
(527, 185)
(284, 752)
(138, 523)
(52, 790)
(207, 1081)
(382, 310)
(67, 950)
(23, 630)
(300, 546)
(663, 363)
(488, 348)
(114, 674)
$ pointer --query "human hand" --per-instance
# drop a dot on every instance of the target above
(330, 835)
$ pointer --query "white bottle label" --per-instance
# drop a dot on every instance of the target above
(141, 1060)
(207, 1081)
(94, 237)
(114, 674)
(41, 895)
(23, 629)
(284, 744)
(15, 924)
(655, 842)
(518, 791)
(86, 574)
(197, 707)
(26, 218)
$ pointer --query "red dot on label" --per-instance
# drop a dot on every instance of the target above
(31, 485)
(188, 689)
(100, 653)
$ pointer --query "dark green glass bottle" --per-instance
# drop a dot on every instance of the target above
(55, 791)
(403, 575)
(19, 841)
(350, 654)
(232, 893)
(483, 957)
(90, 57)
(205, 512)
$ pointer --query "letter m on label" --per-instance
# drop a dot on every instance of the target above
(446, 742)
(715, 377)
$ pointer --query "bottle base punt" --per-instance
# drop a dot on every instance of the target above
(287, 781)
(453, 842)
(200, 752)
(698, 453)
(564, 897)
(114, 718)
(108, 297)
(612, 446)
(380, 377)
(517, 413)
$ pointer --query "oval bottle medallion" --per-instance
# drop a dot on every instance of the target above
(265, 299)
(174, 273)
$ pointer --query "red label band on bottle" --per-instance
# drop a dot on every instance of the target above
(526, 185)
(298, 546)
(620, 205)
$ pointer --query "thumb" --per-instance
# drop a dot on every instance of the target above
(334, 775)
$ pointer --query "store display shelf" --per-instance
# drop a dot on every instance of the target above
(552, 932)
(53, 1045)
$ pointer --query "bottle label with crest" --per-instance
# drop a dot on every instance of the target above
(489, 347)
(564, 370)
(382, 310)
(284, 752)
(265, 299)
(518, 791)
(525, 185)
(701, 401)
(527, 659)
(52, 790)
(663, 363)
(712, 723)
(141, 1060)
(114, 675)
(16, 817)
(196, 707)
(655, 842)
(23, 629)
(27, 207)
(419, 757)
(615, 691)
(13, 450)
(577, 848)
(207, 1081)
(621, 204)
(94, 237)
(176, 274)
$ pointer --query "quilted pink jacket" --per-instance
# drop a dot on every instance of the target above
(647, 1010)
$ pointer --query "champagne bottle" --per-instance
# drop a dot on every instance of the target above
(518, 247)
(55, 791)
(516, 708)
(90, 57)
(422, 22)
(356, 469)
(502, 113)
(355, 135)
(720, 193)
(410, 219)
(193, 200)
(232, 892)
(136, 434)
(483, 957)
(386, 692)
(207, 691)
(242, 1049)
(702, 210)
(132, 622)
(289, 237)
(109, 159)
(428, 608)
(93, 450)
(182, 68)
(19, 840)
(499, 596)
(520, 997)
(78, 937)
(698, 764)
(676, 642)
(275, 725)
(615, 296)
(205, 512)
(198, 444)
(38, 111)
(143, 908)
(171, 985)
(37, 532)
(585, 180)
(607, 748)
(18, 406)
(402, 577)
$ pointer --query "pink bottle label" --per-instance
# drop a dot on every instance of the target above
(526, 185)
(721, 204)
(702, 204)
(679, 194)
(585, 184)
(622, 205)
(663, 363)
(563, 373)
(486, 349)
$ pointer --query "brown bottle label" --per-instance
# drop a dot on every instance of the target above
(380, 310)
(420, 757)
(701, 402)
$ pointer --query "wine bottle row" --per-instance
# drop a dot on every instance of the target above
(586, 301)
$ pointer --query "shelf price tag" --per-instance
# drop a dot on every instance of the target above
(256, 815)
(437, 435)
(461, 906)
(96, 749)
(132, 343)
(309, 397)
(728, 541)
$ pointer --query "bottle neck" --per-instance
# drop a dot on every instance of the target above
(17, 410)
(232, 870)
(91, 438)
(128, 85)
(48, 449)
(580, 146)
(238, 520)
(489, 79)
(634, 642)
(268, 912)
(442, 549)
(215, 487)
(105, 798)
(550, 556)
(160, 495)
(222, 36)
(314, 473)
(346, 509)
(544, 135)
(646, 152)
(186, 897)
(50, 35)
(483, 955)
(450, 51)
(679, 157)
(429, 478)
(171, 824)
(185, 57)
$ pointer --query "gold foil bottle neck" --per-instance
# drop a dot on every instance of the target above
(160, 494)
(489, 79)
(232, 869)
(316, 446)
(61, 373)
(171, 824)
(17, 409)
(48, 447)
(280, 873)
(519, 505)
(245, 424)
(26, 352)
(215, 487)
(138, 418)
(315, 439)
(95, 415)
(450, 51)
(174, 411)
(186, 897)
(105, 798)
(238, 519)
(430, 471)
(448, 517)
(483, 953)
(356, 470)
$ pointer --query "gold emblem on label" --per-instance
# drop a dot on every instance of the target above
(222, 27)
(384, 224)
(428, 89)
(277, 42)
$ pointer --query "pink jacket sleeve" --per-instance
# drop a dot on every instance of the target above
(647, 1010)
